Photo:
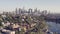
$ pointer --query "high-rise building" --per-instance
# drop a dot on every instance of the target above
(19, 10)
(6, 13)
(29, 10)
(16, 10)
(44, 12)
(35, 10)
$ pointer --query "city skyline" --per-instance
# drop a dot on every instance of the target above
(50, 5)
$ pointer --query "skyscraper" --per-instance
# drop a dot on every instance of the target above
(19, 10)
(35, 10)
(16, 11)
(44, 12)
(29, 10)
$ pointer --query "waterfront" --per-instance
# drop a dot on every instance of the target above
(54, 27)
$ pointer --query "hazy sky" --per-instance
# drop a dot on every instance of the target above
(10, 5)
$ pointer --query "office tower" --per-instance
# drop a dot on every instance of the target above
(16, 11)
(29, 10)
(19, 10)
(35, 10)
(44, 12)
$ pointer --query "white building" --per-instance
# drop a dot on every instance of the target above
(8, 31)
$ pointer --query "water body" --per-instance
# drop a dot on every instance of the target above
(53, 27)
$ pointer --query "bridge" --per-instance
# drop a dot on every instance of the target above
(53, 19)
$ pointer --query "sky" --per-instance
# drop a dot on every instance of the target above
(50, 5)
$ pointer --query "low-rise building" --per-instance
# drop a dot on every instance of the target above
(15, 26)
(5, 24)
(7, 31)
